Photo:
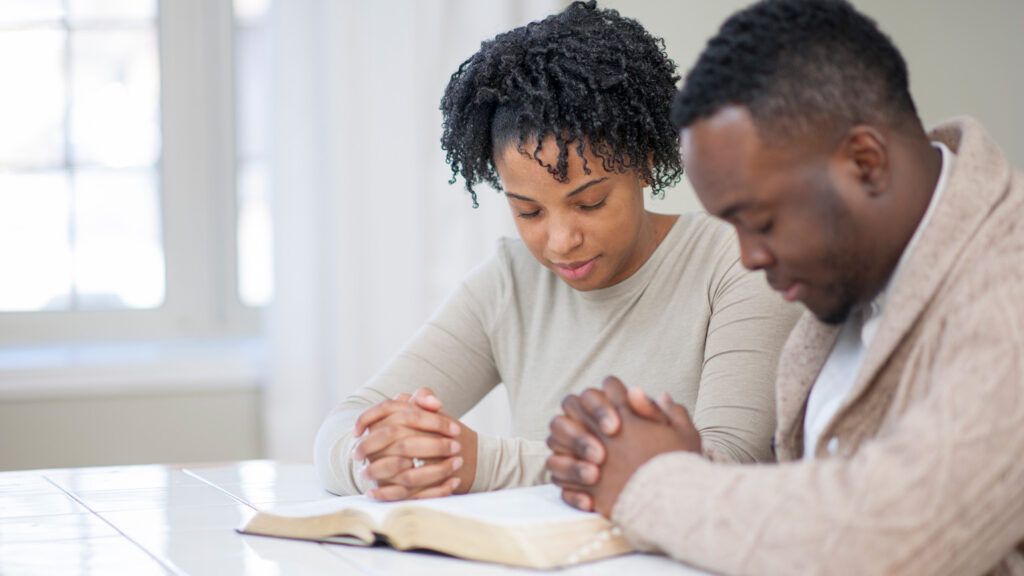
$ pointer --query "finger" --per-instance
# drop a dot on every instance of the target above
(572, 406)
(377, 440)
(570, 437)
(615, 390)
(389, 493)
(383, 469)
(677, 414)
(401, 397)
(600, 409)
(643, 406)
(425, 398)
(444, 489)
(572, 486)
(378, 412)
(421, 446)
(424, 421)
(566, 469)
(579, 500)
(429, 475)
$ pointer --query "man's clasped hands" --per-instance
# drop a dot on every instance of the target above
(410, 448)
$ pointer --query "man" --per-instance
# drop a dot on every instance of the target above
(900, 393)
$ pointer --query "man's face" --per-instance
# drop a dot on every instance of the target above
(791, 208)
(586, 229)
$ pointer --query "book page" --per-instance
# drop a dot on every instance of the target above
(375, 510)
(515, 506)
(531, 505)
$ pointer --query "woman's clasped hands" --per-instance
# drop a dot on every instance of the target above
(410, 449)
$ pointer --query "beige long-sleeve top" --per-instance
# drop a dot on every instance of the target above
(921, 470)
(691, 322)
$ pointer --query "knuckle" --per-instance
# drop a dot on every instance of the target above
(568, 402)
(553, 424)
(386, 432)
(551, 443)
(577, 472)
(580, 446)
(403, 445)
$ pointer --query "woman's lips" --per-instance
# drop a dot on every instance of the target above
(576, 270)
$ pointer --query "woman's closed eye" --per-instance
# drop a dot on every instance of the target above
(528, 215)
(594, 206)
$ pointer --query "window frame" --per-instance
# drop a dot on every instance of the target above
(197, 191)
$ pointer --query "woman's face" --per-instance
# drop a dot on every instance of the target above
(591, 230)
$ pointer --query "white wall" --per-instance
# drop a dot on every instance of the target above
(126, 428)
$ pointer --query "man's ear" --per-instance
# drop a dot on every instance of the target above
(865, 151)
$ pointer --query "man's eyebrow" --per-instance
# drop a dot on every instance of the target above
(579, 189)
(734, 210)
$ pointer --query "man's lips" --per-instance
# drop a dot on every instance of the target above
(575, 270)
(791, 292)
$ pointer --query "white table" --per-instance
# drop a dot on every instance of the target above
(141, 520)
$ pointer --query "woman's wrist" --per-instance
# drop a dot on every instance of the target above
(467, 439)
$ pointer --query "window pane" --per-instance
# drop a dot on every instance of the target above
(15, 12)
(255, 235)
(35, 254)
(119, 259)
(32, 100)
(252, 91)
(115, 112)
(108, 10)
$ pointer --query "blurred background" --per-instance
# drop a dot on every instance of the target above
(219, 217)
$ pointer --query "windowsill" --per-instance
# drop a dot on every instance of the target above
(53, 371)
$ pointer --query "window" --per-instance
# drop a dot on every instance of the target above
(80, 224)
(252, 83)
(122, 151)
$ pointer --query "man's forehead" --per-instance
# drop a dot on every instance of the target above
(717, 154)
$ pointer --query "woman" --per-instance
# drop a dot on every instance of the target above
(570, 118)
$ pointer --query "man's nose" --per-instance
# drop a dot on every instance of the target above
(753, 254)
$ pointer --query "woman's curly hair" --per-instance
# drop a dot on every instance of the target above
(586, 76)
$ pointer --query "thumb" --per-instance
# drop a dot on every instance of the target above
(678, 417)
(643, 406)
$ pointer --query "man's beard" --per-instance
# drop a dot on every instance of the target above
(841, 311)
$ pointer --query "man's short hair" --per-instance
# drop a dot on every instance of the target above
(799, 66)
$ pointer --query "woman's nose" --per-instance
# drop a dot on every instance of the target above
(564, 236)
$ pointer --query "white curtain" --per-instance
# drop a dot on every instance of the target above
(369, 236)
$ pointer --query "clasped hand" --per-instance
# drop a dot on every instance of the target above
(412, 449)
(605, 435)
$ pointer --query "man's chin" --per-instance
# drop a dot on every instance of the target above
(831, 311)
(833, 316)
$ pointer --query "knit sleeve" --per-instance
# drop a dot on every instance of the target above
(451, 354)
(735, 408)
(941, 491)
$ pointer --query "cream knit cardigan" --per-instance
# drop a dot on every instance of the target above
(928, 477)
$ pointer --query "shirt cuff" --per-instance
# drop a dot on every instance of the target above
(488, 450)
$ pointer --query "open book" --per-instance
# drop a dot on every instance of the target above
(529, 527)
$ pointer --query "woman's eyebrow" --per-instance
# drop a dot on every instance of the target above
(579, 189)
